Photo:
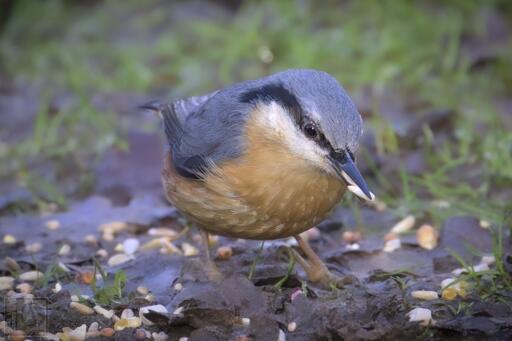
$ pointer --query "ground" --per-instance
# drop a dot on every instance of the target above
(80, 169)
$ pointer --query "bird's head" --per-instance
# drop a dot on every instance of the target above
(315, 119)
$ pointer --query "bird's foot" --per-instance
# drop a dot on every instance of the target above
(316, 269)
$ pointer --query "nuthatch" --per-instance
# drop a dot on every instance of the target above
(264, 159)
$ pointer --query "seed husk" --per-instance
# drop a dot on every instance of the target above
(81, 308)
(31, 276)
(427, 236)
(425, 295)
(404, 225)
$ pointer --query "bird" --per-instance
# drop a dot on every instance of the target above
(263, 159)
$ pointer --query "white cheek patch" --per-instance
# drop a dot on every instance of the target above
(274, 116)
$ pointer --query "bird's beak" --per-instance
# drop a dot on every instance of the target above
(347, 171)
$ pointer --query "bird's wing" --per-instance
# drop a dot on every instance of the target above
(201, 132)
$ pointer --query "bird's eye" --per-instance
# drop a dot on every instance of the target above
(310, 130)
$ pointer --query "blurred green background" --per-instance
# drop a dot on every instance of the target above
(433, 80)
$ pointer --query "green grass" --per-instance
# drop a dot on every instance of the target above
(403, 47)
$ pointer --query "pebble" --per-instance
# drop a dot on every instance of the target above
(245, 321)
(77, 334)
(390, 236)
(150, 297)
(127, 313)
(17, 335)
(24, 288)
(49, 336)
(425, 295)
(143, 291)
(189, 250)
(130, 246)
(6, 282)
(107, 237)
(91, 239)
(119, 248)
(161, 243)
(353, 247)
(178, 286)
(31, 276)
(292, 326)
(132, 322)
(104, 312)
(488, 259)
(404, 225)
(183, 338)
(178, 311)
(34, 247)
(481, 267)
(162, 232)
(427, 236)
(164, 337)
(57, 288)
(113, 227)
(93, 330)
(392, 245)
(281, 336)
(485, 224)
(107, 332)
(351, 237)
(420, 315)
(63, 267)
(156, 308)
(139, 334)
(9, 239)
(224, 252)
(64, 250)
(296, 294)
(12, 265)
(52, 224)
(74, 298)
(81, 308)
(449, 294)
(119, 259)
(102, 253)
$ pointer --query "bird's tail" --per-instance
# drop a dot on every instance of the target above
(172, 125)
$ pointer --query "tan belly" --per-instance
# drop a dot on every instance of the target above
(264, 196)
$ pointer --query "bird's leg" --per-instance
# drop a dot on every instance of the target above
(212, 271)
(315, 268)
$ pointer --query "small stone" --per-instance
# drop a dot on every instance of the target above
(143, 291)
(427, 236)
(81, 308)
(481, 267)
(93, 330)
(390, 236)
(161, 243)
(108, 237)
(104, 312)
(132, 322)
(77, 334)
(12, 265)
(224, 252)
(189, 250)
(392, 245)
(404, 225)
(31, 276)
(178, 286)
(296, 294)
(52, 224)
(488, 259)
(353, 247)
(127, 313)
(63, 267)
(113, 227)
(158, 308)
(351, 237)
(245, 321)
(178, 311)
(183, 338)
(292, 326)
(24, 288)
(281, 336)
(64, 250)
(107, 332)
(34, 247)
(102, 253)
(485, 224)
(9, 239)
(57, 288)
(164, 337)
(74, 298)
(119, 248)
(425, 295)
(420, 315)
(119, 259)
(91, 239)
(449, 294)
(6, 282)
(150, 297)
(139, 334)
(162, 232)
(17, 335)
(130, 246)
(49, 336)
